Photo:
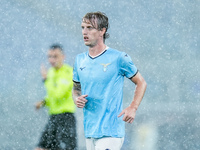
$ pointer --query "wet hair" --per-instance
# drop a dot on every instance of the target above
(57, 46)
(98, 18)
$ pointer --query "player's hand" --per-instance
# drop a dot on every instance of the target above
(39, 104)
(43, 71)
(129, 114)
(80, 101)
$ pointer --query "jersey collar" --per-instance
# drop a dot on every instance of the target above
(100, 53)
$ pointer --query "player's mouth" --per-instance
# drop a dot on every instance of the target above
(85, 38)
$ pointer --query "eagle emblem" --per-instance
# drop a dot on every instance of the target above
(105, 66)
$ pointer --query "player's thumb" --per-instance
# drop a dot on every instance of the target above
(121, 114)
(84, 96)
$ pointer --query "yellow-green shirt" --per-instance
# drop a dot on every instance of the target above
(59, 90)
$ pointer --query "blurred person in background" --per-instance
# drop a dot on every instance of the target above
(98, 78)
(60, 131)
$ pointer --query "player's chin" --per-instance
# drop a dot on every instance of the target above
(88, 44)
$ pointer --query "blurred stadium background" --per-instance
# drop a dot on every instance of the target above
(162, 37)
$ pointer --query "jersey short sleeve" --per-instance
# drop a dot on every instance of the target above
(127, 67)
(75, 72)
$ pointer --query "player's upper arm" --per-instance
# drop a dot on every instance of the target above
(138, 79)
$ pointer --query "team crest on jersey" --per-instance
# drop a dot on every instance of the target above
(105, 66)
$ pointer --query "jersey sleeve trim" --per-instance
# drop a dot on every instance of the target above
(76, 81)
(134, 74)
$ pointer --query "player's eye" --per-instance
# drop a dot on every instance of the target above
(90, 28)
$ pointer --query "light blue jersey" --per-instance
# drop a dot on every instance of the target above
(102, 78)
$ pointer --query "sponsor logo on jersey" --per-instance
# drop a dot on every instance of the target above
(82, 68)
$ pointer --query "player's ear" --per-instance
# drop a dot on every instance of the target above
(103, 31)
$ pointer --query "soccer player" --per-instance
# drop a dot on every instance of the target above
(60, 131)
(98, 78)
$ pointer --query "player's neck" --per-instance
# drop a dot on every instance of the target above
(97, 50)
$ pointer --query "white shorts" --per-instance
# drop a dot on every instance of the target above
(105, 143)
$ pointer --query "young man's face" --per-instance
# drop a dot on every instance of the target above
(56, 58)
(91, 34)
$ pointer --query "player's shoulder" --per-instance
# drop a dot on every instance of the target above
(115, 52)
(120, 55)
(82, 55)
(51, 69)
(67, 66)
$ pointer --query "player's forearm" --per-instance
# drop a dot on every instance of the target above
(40, 104)
(76, 92)
(139, 93)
